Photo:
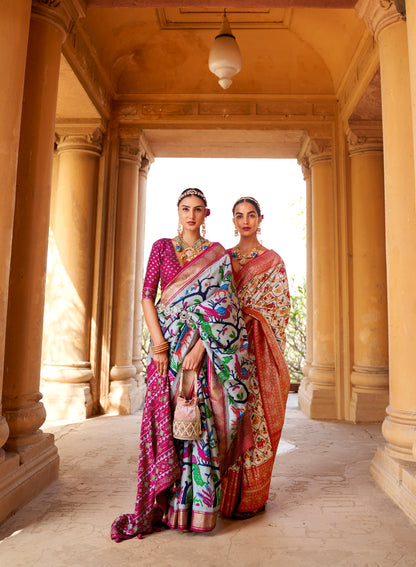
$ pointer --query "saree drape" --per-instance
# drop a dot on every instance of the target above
(263, 294)
(179, 481)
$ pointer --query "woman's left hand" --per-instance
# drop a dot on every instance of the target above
(193, 359)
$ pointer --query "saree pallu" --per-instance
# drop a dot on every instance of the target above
(264, 295)
(179, 481)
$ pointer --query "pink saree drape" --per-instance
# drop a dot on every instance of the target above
(179, 481)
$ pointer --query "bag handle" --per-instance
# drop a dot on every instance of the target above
(181, 382)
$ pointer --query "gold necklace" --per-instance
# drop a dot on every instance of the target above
(244, 258)
(188, 252)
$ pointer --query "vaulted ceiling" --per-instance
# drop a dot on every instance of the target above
(147, 51)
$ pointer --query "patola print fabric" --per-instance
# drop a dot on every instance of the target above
(179, 481)
(263, 293)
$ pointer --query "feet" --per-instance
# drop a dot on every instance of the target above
(246, 515)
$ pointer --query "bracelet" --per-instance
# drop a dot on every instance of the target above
(162, 347)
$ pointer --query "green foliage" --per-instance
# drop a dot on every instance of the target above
(296, 333)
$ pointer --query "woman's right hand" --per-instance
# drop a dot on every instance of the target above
(162, 363)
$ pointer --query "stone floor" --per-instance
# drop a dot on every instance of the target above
(324, 509)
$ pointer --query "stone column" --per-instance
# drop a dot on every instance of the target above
(369, 378)
(309, 289)
(14, 32)
(393, 466)
(66, 371)
(411, 35)
(23, 409)
(138, 315)
(124, 392)
(317, 392)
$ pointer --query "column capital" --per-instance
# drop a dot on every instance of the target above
(378, 14)
(131, 150)
(365, 137)
(144, 166)
(318, 150)
(303, 161)
(87, 142)
(61, 13)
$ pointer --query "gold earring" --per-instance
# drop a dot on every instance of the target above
(203, 230)
(235, 232)
(180, 229)
(258, 230)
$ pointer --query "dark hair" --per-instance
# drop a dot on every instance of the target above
(192, 192)
(248, 200)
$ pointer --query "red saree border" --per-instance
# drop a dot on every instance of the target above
(191, 271)
(247, 489)
(257, 265)
(268, 353)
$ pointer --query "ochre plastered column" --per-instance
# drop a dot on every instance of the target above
(394, 465)
(307, 176)
(124, 395)
(14, 32)
(21, 397)
(66, 371)
(317, 392)
(411, 36)
(369, 378)
(138, 315)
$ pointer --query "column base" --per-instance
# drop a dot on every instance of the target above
(126, 396)
(142, 387)
(317, 402)
(137, 363)
(369, 406)
(397, 479)
(306, 368)
(24, 476)
(370, 394)
(67, 401)
(4, 434)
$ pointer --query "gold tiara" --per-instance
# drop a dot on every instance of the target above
(249, 199)
(190, 192)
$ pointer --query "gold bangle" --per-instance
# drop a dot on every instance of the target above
(162, 347)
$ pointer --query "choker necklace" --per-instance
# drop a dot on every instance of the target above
(188, 252)
(244, 258)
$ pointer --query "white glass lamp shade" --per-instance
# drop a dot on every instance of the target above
(225, 57)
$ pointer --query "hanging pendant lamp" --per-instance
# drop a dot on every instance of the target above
(225, 57)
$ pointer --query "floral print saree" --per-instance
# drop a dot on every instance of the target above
(263, 293)
(179, 482)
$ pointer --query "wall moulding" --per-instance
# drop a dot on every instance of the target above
(229, 108)
(247, 111)
(364, 65)
(80, 55)
(209, 18)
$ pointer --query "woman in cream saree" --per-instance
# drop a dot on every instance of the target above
(263, 294)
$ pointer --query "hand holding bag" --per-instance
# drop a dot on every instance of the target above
(187, 417)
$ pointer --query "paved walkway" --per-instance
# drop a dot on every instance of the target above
(324, 509)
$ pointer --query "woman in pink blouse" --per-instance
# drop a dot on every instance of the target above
(196, 330)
